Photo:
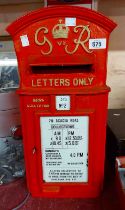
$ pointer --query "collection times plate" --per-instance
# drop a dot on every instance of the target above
(64, 146)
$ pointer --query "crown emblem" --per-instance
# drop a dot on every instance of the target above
(60, 31)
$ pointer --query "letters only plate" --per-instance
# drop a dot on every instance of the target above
(64, 146)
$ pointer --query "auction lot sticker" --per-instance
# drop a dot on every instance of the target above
(64, 146)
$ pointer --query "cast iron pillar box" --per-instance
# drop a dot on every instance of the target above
(62, 56)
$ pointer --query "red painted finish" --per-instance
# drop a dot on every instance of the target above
(60, 63)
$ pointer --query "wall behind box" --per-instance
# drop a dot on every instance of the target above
(115, 9)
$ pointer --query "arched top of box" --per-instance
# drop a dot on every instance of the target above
(64, 42)
(63, 11)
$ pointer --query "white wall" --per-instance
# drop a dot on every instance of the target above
(115, 9)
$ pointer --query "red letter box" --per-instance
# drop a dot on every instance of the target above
(62, 56)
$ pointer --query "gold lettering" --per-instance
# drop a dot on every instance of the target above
(45, 40)
(83, 82)
(45, 80)
(34, 105)
(90, 80)
(38, 100)
(56, 82)
(62, 82)
(75, 82)
(79, 41)
(46, 106)
(67, 82)
(51, 82)
(33, 85)
(39, 82)
(61, 43)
